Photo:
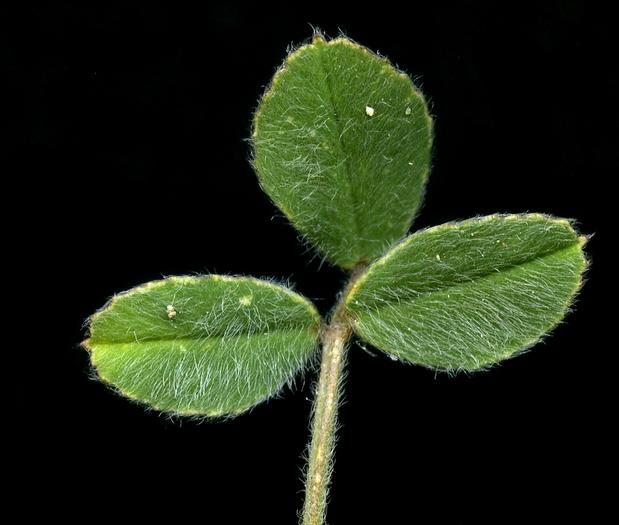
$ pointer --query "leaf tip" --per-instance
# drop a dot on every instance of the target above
(584, 239)
(86, 345)
(318, 38)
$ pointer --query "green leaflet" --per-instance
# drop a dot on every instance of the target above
(466, 295)
(207, 345)
(342, 145)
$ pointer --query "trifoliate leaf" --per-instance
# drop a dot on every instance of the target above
(342, 145)
(208, 345)
(468, 294)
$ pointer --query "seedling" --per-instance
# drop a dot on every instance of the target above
(342, 145)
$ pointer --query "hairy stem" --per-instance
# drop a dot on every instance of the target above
(326, 403)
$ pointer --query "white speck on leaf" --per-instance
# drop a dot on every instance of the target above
(408, 111)
(171, 311)
(438, 257)
(245, 300)
(369, 111)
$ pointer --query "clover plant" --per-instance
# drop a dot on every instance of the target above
(342, 144)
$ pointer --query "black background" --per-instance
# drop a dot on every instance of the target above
(134, 129)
